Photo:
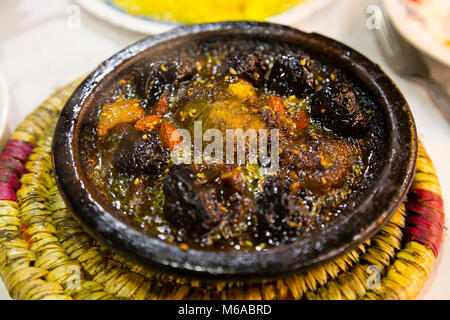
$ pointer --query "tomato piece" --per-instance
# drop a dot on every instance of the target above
(148, 123)
(169, 136)
(276, 104)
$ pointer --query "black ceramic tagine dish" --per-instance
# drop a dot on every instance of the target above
(346, 136)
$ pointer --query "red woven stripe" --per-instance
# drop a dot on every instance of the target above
(7, 192)
(17, 153)
(25, 146)
(422, 208)
(425, 222)
(424, 195)
(9, 177)
(12, 163)
(12, 166)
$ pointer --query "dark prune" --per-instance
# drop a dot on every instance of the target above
(291, 74)
(335, 106)
(190, 203)
(161, 76)
(140, 154)
(280, 212)
(249, 66)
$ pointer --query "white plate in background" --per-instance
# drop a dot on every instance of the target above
(425, 25)
(105, 10)
(4, 130)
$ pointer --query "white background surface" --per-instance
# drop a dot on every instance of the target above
(39, 53)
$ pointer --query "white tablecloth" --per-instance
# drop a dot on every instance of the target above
(39, 53)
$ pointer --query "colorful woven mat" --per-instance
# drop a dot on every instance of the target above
(46, 254)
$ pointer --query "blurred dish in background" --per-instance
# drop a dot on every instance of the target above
(152, 17)
(424, 23)
(206, 10)
(3, 113)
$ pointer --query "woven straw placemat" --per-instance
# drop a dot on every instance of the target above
(46, 254)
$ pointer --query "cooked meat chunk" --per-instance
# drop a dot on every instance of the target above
(233, 179)
(190, 203)
(140, 154)
(322, 164)
(160, 76)
(270, 118)
(280, 212)
(335, 106)
(247, 65)
(291, 74)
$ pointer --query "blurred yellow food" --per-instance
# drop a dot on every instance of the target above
(200, 11)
